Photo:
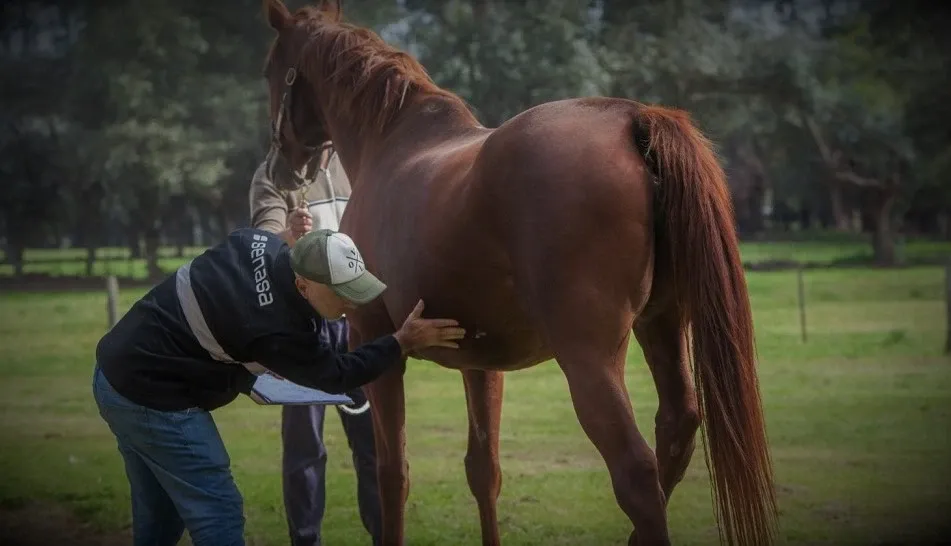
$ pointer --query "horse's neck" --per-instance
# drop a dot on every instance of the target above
(347, 145)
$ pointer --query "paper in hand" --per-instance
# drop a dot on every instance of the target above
(270, 390)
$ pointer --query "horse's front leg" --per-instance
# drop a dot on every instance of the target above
(389, 430)
(484, 402)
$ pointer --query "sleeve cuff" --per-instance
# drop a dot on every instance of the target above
(392, 346)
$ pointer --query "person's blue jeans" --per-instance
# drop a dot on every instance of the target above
(178, 469)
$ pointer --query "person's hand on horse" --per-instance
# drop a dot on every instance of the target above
(418, 333)
(299, 221)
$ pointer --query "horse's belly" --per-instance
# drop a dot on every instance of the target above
(489, 351)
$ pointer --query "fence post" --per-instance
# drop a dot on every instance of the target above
(112, 300)
(947, 297)
(802, 303)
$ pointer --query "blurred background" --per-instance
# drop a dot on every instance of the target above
(129, 127)
(130, 132)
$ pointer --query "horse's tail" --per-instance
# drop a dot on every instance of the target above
(697, 239)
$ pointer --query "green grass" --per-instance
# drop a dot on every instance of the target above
(111, 261)
(857, 418)
(79, 253)
(828, 249)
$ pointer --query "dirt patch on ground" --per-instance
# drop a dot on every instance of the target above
(32, 523)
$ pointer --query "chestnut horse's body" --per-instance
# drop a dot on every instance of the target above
(555, 235)
(441, 223)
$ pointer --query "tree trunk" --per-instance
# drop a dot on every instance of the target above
(90, 223)
(754, 204)
(15, 257)
(177, 219)
(805, 217)
(944, 226)
(151, 254)
(90, 255)
(87, 230)
(840, 216)
(883, 236)
(207, 227)
(224, 224)
(185, 228)
(135, 247)
(752, 187)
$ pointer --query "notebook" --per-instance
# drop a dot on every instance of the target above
(269, 390)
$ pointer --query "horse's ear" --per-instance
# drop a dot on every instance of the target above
(277, 14)
(333, 9)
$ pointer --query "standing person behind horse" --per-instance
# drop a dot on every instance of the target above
(291, 210)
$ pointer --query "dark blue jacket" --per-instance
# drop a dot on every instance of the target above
(244, 288)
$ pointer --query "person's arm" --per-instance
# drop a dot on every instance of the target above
(269, 209)
(305, 360)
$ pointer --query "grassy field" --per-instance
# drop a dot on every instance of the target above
(857, 417)
(829, 249)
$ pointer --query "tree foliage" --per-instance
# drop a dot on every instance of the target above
(127, 121)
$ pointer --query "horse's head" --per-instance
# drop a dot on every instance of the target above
(298, 127)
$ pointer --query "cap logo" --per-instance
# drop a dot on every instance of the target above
(344, 260)
(355, 262)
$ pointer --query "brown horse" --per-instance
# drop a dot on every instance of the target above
(553, 236)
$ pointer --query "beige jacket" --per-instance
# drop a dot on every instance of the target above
(326, 199)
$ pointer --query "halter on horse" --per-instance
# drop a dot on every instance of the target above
(276, 167)
(554, 236)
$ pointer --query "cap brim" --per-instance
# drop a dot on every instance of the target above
(363, 289)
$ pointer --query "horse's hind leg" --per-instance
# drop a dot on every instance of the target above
(678, 416)
(604, 410)
(484, 402)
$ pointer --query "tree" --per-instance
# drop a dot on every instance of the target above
(181, 105)
(504, 57)
(33, 40)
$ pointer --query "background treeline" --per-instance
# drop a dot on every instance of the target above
(139, 124)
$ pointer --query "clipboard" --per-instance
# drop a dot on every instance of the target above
(269, 390)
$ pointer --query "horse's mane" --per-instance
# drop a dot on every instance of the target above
(381, 78)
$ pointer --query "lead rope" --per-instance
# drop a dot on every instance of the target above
(302, 189)
(330, 182)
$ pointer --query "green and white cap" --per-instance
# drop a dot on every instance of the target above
(331, 258)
